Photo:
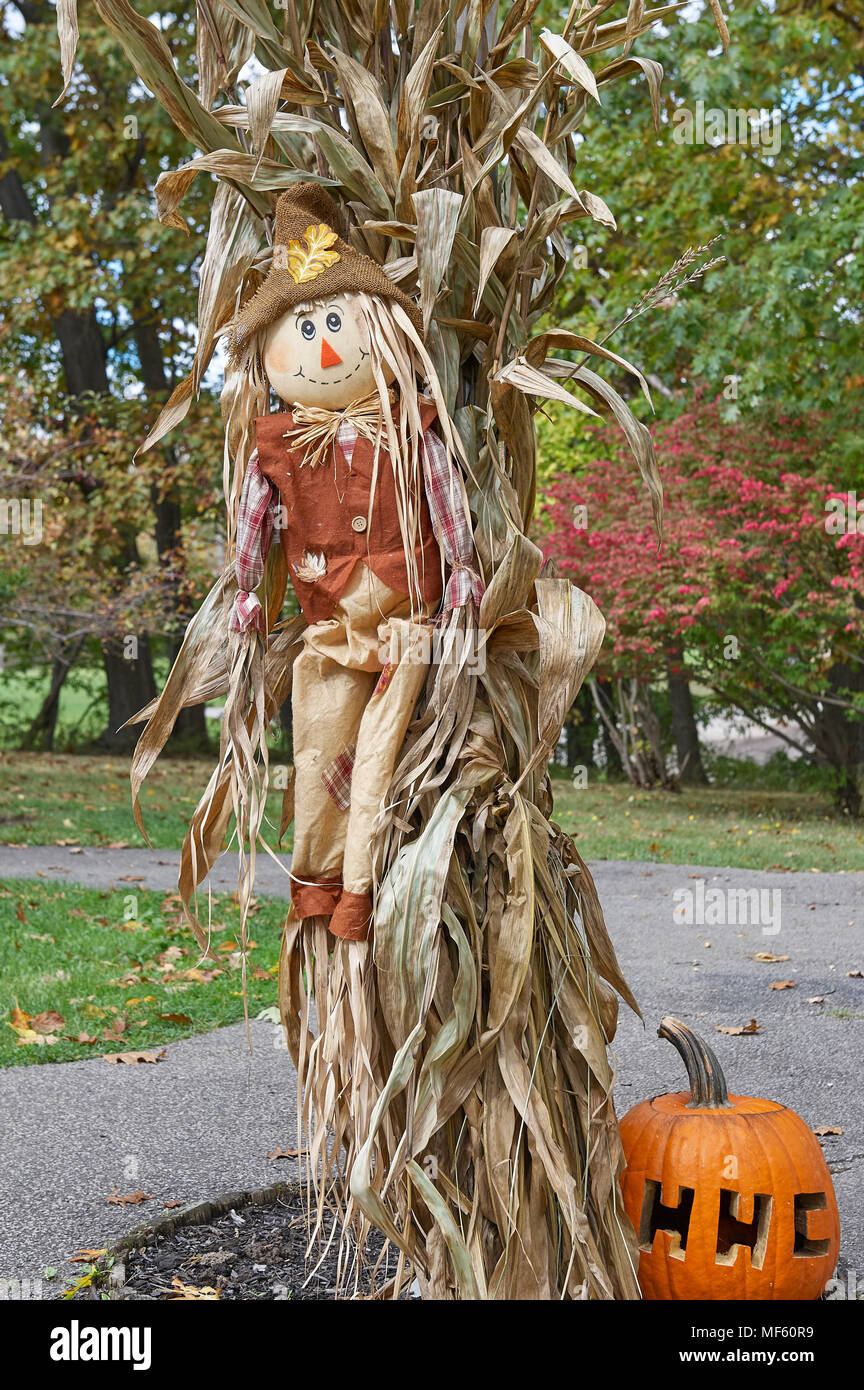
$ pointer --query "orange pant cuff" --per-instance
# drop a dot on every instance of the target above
(352, 920)
(314, 898)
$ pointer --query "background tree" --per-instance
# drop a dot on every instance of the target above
(96, 297)
(783, 315)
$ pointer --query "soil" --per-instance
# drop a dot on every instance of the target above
(257, 1252)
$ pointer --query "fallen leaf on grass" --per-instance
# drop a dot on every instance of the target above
(183, 1019)
(768, 956)
(81, 1038)
(287, 1153)
(130, 981)
(198, 976)
(169, 955)
(192, 1291)
(85, 1257)
(37, 936)
(20, 1023)
(50, 1022)
(27, 1035)
(823, 1130)
(116, 1030)
(737, 1032)
(783, 984)
(130, 1199)
(132, 1059)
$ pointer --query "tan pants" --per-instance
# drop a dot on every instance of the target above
(351, 712)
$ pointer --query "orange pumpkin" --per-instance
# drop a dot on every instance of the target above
(730, 1196)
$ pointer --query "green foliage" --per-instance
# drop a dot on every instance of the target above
(783, 314)
(98, 301)
(780, 773)
(87, 168)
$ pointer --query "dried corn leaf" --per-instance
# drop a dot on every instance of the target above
(67, 31)
(568, 59)
(437, 211)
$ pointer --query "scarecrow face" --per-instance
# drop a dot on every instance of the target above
(319, 355)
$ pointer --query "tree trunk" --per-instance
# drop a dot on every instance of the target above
(191, 726)
(634, 731)
(848, 794)
(684, 727)
(42, 728)
(82, 346)
(130, 686)
(580, 731)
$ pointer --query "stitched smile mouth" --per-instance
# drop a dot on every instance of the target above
(333, 380)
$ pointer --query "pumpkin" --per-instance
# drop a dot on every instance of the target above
(730, 1196)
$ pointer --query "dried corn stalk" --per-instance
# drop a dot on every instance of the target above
(458, 1090)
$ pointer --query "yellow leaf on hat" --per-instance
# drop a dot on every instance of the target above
(306, 263)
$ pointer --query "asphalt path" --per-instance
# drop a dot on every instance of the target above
(201, 1122)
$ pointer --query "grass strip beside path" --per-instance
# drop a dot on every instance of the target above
(730, 827)
(64, 799)
(67, 799)
(123, 969)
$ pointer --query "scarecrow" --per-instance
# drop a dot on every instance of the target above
(446, 983)
(371, 513)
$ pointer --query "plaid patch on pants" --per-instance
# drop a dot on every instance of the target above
(337, 777)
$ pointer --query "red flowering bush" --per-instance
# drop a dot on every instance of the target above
(758, 587)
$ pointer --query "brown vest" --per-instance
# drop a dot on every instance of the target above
(325, 511)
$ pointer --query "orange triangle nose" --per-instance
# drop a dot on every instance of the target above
(329, 357)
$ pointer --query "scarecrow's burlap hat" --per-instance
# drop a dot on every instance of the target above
(310, 261)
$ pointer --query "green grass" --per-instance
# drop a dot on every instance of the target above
(82, 712)
(78, 800)
(731, 827)
(64, 799)
(72, 951)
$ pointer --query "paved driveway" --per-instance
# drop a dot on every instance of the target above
(201, 1122)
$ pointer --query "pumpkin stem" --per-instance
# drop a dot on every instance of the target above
(707, 1082)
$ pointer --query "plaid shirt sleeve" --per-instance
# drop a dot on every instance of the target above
(254, 534)
(451, 522)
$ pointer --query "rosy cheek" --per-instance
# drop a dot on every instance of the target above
(278, 359)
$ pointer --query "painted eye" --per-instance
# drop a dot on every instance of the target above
(307, 328)
(334, 322)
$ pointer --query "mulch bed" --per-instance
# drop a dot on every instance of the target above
(255, 1252)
